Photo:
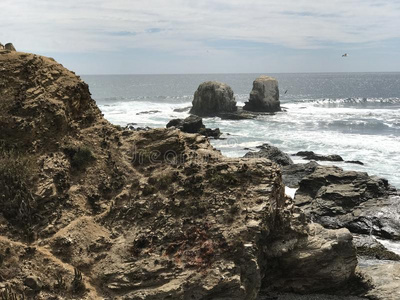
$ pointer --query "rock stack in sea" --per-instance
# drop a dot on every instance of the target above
(264, 96)
(213, 98)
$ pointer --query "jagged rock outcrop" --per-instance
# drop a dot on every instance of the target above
(41, 101)
(264, 96)
(213, 98)
(310, 155)
(194, 124)
(92, 211)
(272, 153)
(9, 46)
(364, 204)
(292, 174)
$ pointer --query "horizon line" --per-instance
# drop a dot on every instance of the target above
(238, 73)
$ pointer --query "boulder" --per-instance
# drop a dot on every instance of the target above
(292, 174)
(213, 98)
(320, 261)
(264, 96)
(10, 47)
(385, 279)
(310, 155)
(272, 153)
(364, 204)
(1, 46)
(194, 124)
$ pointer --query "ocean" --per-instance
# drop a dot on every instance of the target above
(355, 115)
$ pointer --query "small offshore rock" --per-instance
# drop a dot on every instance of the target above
(272, 153)
(310, 155)
(148, 112)
(357, 162)
(194, 124)
(184, 109)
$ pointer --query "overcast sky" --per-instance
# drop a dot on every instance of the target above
(207, 36)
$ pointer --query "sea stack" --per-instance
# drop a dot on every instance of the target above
(213, 98)
(264, 96)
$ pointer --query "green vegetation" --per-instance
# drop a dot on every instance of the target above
(80, 157)
(16, 175)
(8, 294)
(220, 179)
(77, 285)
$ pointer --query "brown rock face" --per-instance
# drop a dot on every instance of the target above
(96, 212)
(264, 96)
(213, 98)
(10, 47)
(336, 198)
(40, 101)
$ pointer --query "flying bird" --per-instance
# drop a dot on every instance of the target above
(345, 55)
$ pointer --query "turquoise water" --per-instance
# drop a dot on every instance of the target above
(355, 115)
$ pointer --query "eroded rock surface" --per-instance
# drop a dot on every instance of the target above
(310, 155)
(194, 124)
(264, 96)
(364, 204)
(106, 213)
(272, 153)
(213, 98)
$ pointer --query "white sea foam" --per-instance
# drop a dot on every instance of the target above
(319, 117)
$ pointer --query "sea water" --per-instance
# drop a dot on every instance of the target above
(355, 115)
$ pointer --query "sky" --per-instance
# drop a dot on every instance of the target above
(207, 36)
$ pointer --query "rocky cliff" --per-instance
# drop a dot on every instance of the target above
(90, 211)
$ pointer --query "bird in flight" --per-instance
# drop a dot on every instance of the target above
(345, 55)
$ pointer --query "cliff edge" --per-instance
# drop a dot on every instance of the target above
(91, 211)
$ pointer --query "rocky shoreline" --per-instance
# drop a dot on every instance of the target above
(90, 210)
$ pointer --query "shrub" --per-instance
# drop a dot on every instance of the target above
(16, 176)
(80, 157)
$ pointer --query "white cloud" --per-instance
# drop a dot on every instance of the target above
(187, 27)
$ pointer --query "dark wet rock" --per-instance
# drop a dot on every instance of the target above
(357, 162)
(264, 96)
(194, 124)
(240, 114)
(294, 173)
(310, 155)
(272, 153)
(184, 109)
(369, 246)
(213, 98)
(364, 204)
(10, 47)
(148, 112)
